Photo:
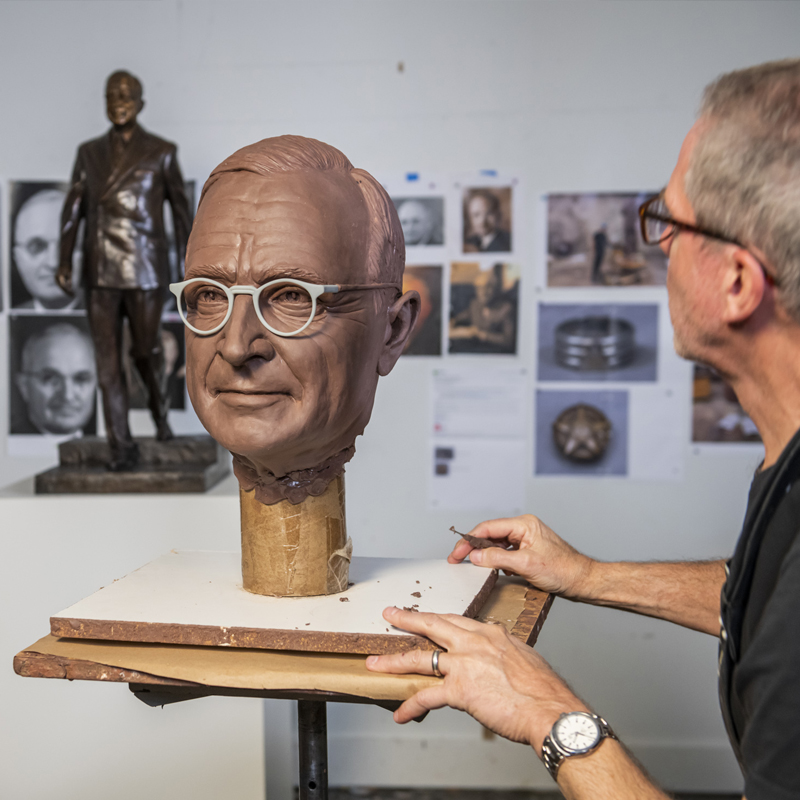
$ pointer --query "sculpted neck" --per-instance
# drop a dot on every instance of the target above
(295, 486)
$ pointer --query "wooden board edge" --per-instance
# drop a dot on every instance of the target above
(30, 664)
(478, 602)
(530, 621)
(257, 638)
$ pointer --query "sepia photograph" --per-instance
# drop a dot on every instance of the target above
(52, 376)
(483, 308)
(717, 415)
(581, 433)
(34, 232)
(426, 338)
(422, 220)
(487, 220)
(598, 342)
(595, 240)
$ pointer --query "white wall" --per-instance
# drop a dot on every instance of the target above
(573, 96)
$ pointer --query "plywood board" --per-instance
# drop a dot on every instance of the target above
(224, 670)
(196, 598)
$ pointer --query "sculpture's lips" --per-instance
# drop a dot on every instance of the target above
(249, 398)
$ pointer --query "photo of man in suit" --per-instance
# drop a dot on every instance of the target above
(35, 221)
(54, 375)
(484, 223)
(119, 185)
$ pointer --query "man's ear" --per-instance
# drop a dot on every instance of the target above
(22, 386)
(744, 284)
(403, 315)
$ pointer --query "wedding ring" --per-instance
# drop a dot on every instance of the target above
(435, 663)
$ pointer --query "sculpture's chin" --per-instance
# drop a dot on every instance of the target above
(295, 486)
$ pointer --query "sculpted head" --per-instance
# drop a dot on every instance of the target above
(289, 400)
(123, 98)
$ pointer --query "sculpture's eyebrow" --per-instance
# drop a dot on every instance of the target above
(227, 275)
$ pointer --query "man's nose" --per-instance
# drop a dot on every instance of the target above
(53, 253)
(244, 337)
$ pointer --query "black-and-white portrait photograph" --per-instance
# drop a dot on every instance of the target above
(595, 240)
(52, 376)
(487, 220)
(422, 219)
(598, 342)
(34, 232)
(581, 433)
(173, 347)
(426, 338)
(483, 308)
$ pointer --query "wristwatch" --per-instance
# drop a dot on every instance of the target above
(573, 734)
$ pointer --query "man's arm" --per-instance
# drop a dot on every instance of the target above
(70, 219)
(687, 593)
(175, 191)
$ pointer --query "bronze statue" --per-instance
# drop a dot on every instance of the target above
(119, 184)
(294, 308)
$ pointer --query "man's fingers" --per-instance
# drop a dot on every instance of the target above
(513, 561)
(445, 630)
(460, 552)
(419, 662)
(422, 701)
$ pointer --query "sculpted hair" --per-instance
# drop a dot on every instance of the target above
(744, 174)
(386, 251)
(120, 75)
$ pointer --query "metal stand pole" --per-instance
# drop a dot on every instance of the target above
(312, 734)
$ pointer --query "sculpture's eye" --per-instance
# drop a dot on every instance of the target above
(290, 299)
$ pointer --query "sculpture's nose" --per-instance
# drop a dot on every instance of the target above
(244, 337)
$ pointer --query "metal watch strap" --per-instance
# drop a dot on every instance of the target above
(553, 756)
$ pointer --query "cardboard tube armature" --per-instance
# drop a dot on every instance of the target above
(296, 550)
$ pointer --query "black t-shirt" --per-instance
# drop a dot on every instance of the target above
(760, 641)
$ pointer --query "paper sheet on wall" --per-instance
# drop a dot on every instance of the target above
(478, 439)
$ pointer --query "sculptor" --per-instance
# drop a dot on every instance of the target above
(293, 307)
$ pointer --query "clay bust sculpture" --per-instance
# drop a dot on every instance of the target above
(293, 307)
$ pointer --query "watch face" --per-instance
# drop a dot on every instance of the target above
(577, 732)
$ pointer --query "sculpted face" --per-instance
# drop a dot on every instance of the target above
(290, 403)
(36, 232)
(59, 380)
(123, 102)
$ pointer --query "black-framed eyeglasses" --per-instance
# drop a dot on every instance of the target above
(657, 225)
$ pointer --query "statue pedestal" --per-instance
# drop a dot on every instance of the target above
(182, 464)
(296, 550)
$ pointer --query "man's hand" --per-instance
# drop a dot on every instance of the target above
(511, 690)
(64, 277)
(495, 678)
(537, 554)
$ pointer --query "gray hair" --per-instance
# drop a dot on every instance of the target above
(744, 173)
(386, 253)
(60, 331)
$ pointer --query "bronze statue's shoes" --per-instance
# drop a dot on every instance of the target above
(163, 431)
(124, 457)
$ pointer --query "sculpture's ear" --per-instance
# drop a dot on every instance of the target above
(403, 315)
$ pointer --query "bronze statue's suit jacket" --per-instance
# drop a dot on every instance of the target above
(124, 244)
